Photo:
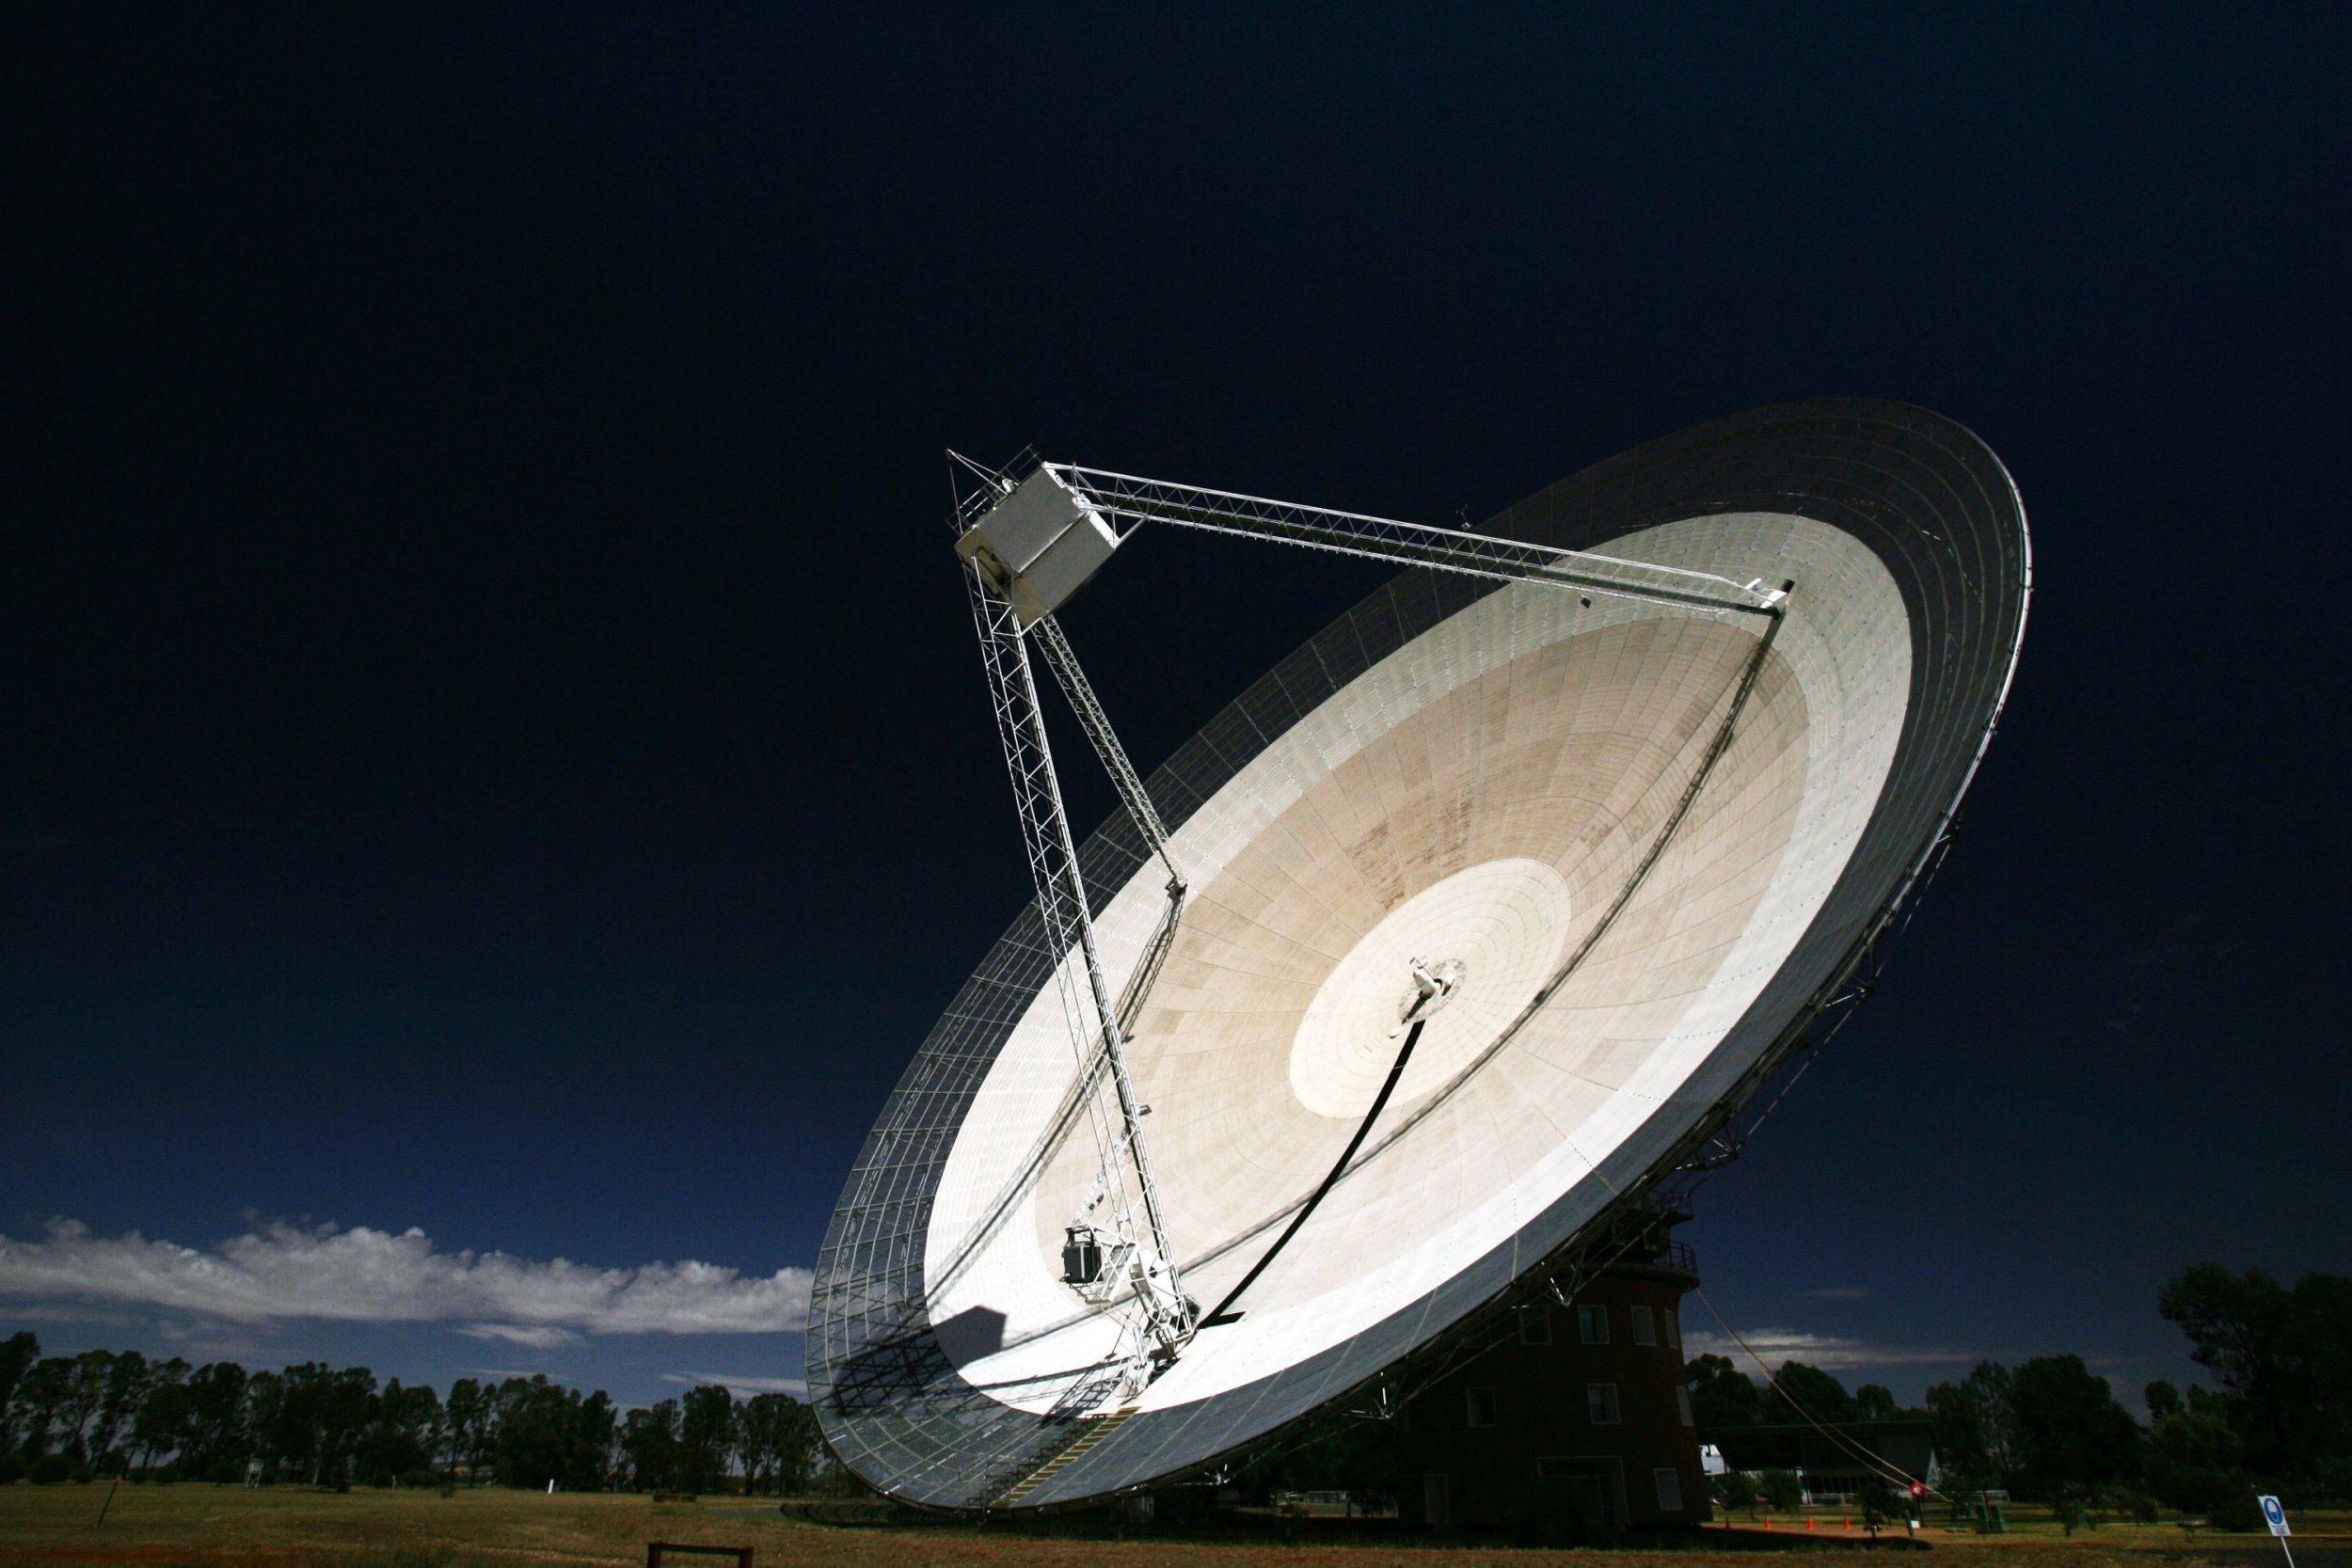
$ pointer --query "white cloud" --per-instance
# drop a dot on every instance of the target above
(544, 1336)
(501, 1374)
(742, 1386)
(1830, 1352)
(278, 1271)
(52, 1313)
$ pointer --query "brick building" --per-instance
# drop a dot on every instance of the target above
(1586, 1405)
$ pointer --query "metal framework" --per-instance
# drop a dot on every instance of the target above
(1097, 725)
(1144, 1277)
(1125, 499)
(1932, 506)
(1165, 1314)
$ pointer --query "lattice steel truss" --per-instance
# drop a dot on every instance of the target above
(1132, 500)
(1161, 1318)
(1923, 495)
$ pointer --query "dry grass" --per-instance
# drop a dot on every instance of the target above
(204, 1526)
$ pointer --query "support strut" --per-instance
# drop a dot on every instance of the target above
(1089, 1008)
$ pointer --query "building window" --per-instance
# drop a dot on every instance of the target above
(1482, 1407)
(1673, 1331)
(1592, 1324)
(1669, 1490)
(1600, 1403)
(1682, 1405)
(1534, 1326)
(1644, 1326)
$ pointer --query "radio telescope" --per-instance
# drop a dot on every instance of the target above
(1386, 1003)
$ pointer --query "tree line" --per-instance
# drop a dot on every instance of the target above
(106, 1413)
(2278, 1418)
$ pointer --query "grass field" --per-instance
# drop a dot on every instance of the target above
(204, 1526)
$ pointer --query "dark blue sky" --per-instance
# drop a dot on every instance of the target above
(494, 741)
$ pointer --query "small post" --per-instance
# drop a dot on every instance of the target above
(2276, 1517)
(117, 1481)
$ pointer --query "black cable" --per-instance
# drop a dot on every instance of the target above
(1221, 1316)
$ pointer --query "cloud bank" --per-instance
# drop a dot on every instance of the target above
(536, 1335)
(1829, 1352)
(279, 1271)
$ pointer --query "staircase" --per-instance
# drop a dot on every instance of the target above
(1090, 1433)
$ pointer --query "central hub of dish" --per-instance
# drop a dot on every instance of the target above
(1434, 985)
(1505, 920)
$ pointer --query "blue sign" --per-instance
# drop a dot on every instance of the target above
(2272, 1512)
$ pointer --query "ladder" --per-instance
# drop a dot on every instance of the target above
(1091, 1432)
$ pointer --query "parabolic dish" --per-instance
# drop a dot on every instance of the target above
(1655, 839)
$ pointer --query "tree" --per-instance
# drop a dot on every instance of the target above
(18, 1354)
(321, 1417)
(1973, 1428)
(57, 1399)
(41, 1395)
(84, 1391)
(1875, 1402)
(1817, 1393)
(779, 1440)
(317, 1422)
(258, 1417)
(120, 1412)
(2282, 1358)
(542, 1436)
(2194, 1455)
(161, 1423)
(127, 1381)
(1721, 1397)
(216, 1436)
(2071, 1435)
(468, 1421)
(2234, 1325)
(595, 1424)
(1738, 1491)
(406, 1434)
(705, 1437)
(1780, 1488)
(649, 1438)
